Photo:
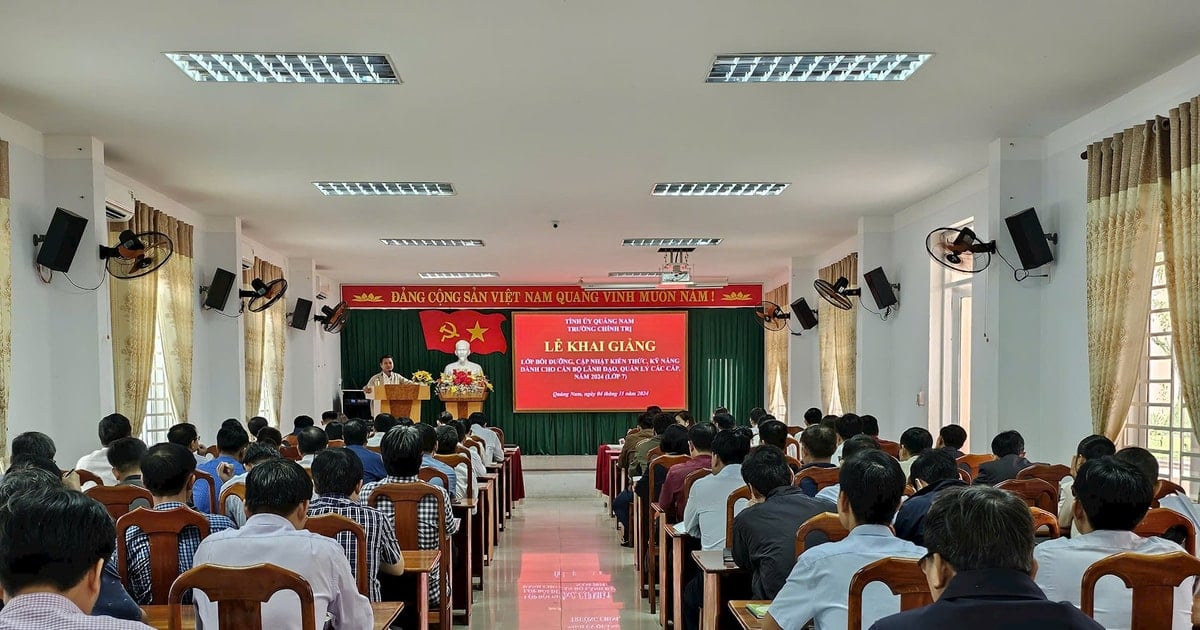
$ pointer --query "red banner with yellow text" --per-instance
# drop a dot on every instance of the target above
(554, 296)
(443, 330)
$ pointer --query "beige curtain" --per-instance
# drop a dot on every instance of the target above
(777, 354)
(838, 341)
(133, 304)
(276, 317)
(253, 331)
(5, 299)
(1127, 190)
(1181, 249)
(176, 312)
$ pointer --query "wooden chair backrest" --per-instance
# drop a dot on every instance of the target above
(823, 477)
(791, 446)
(687, 484)
(973, 462)
(662, 461)
(291, 452)
(291, 439)
(794, 430)
(118, 499)
(902, 575)
(891, 448)
(499, 433)
(162, 529)
(428, 474)
(212, 488)
(1159, 520)
(240, 592)
(964, 475)
(653, 453)
(1050, 473)
(87, 476)
(233, 490)
(333, 526)
(406, 499)
(1165, 489)
(336, 444)
(826, 523)
(1035, 492)
(1042, 518)
(373, 449)
(793, 463)
(1153, 579)
(213, 450)
(456, 460)
(730, 503)
(476, 442)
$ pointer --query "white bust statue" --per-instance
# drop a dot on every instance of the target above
(462, 350)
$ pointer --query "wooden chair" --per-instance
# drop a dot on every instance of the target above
(1158, 521)
(964, 475)
(240, 592)
(794, 430)
(336, 444)
(291, 452)
(1153, 579)
(902, 575)
(655, 517)
(1050, 473)
(212, 451)
(456, 460)
(891, 448)
(374, 449)
(793, 463)
(973, 462)
(826, 523)
(653, 453)
(730, 503)
(428, 474)
(791, 446)
(162, 528)
(291, 439)
(1035, 492)
(687, 484)
(87, 476)
(118, 500)
(212, 489)
(405, 498)
(823, 477)
(333, 526)
(232, 490)
(1165, 489)
(499, 433)
(1042, 518)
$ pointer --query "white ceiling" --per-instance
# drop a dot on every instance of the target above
(539, 110)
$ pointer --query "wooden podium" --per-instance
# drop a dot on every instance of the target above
(463, 405)
(400, 400)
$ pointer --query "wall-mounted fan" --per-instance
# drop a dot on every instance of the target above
(263, 294)
(333, 320)
(959, 249)
(136, 255)
(837, 293)
(771, 316)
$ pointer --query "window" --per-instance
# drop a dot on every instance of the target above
(778, 400)
(160, 410)
(266, 402)
(950, 326)
(1158, 420)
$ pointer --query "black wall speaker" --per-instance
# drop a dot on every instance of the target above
(61, 240)
(804, 314)
(1033, 244)
(302, 314)
(218, 291)
(882, 290)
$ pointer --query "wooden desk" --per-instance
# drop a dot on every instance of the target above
(490, 531)
(713, 565)
(159, 616)
(744, 617)
(508, 485)
(463, 592)
(421, 562)
(672, 545)
(501, 481)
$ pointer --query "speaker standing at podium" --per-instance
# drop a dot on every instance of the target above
(385, 377)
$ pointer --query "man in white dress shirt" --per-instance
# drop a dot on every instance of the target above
(1111, 497)
(385, 377)
(112, 428)
(277, 497)
(493, 449)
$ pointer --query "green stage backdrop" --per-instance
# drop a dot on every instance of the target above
(725, 368)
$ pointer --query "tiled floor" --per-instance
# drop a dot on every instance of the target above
(560, 567)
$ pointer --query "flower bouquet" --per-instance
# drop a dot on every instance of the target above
(422, 377)
(462, 383)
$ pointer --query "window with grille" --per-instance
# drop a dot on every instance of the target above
(1158, 420)
(160, 410)
(266, 402)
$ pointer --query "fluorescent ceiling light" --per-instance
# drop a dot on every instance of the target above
(696, 283)
(456, 275)
(367, 189)
(671, 242)
(432, 242)
(634, 274)
(718, 189)
(814, 67)
(252, 67)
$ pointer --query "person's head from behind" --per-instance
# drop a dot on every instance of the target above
(185, 435)
(311, 440)
(280, 487)
(724, 421)
(756, 415)
(653, 410)
(765, 469)
(645, 421)
(329, 416)
(337, 471)
(684, 417)
(428, 436)
(480, 419)
(125, 457)
(674, 440)
(976, 528)
(383, 422)
(1008, 443)
(831, 422)
(167, 471)
(730, 447)
(812, 416)
(818, 443)
(232, 422)
(22, 481)
(270, 435)
(773, 432)
(354, 432)
(401, 451)
(870, 425)
(952, 436)
(445, 417)
(848, 426)
(700, 437)
(34, 443)
(258, 453)
(447, 440)
(1092, 447)
(858, 444)
(1143, 460)
(404, 422)
(25, 461)
(933, 467)
(719, 410)
(334, 431)
(302, 422)
(662, 421)
(1110, 495)
(113, 427)
(914, 441)
(232, 441)
(461, 427)
(256, 424)
(872, 484)
(55, 541)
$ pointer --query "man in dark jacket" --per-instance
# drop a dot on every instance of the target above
(933, 471)
(1009, 449)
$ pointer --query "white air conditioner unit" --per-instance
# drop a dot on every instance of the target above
(323, 288)
(118, 202)
(247, 256)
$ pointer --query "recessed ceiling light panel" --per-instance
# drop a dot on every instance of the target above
(456, 275)
(718, 189)
(634, 274)
(251, 67)
(814, 67)
(374, 189)
(432, 242)
(671, 242)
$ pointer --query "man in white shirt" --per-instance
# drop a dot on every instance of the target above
(847, 426)
(382, 423)
(1111, 497)
(1178, 502)
(850, 448)
(494, 450)
(385, 377)
(277, 498)
(913, 442)
(310, 441)
(1090, 447)
(818, 586)
(112, 428)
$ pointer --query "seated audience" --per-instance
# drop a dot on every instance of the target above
(913, 442)
(847, 426)
(851, 448)
(337, 475)
(773, 432)
(269, 435)
(818, 586)
(167, 470)
(979, 567)
(444, 417)
(256, 424)
(111, 428)
(493, 449)
(34, 443)
(1111, 497)
(673, 441)
(704, 511)
(232, 442)
(756, 415)
(952, 438)
(310, 441)
(300, 423)
(185, 435)
(328, 417)
(723, 420)
(381, 425)
(870, 426)
(637, 466)
(830, 421)
(477, 467)
(447, 444)
(699, 446)
(428, 445)
(684, 418)
(333, 431)
(355, 433)
(125, 457)
(817, 445)
(402, 453)
(1147, 463)
(1009, 449)
(277, 498)
(932, 472)
(645, 431)
(812, 416)
(256, 454)
(1090, 447)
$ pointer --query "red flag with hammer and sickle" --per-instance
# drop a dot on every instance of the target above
(444, 329)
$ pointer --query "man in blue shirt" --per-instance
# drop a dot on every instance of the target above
(232, 442)
(355, 433)
(428, 444)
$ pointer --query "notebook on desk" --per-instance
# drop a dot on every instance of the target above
(758, 610)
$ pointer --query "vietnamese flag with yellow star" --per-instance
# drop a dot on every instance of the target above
(444, 329)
